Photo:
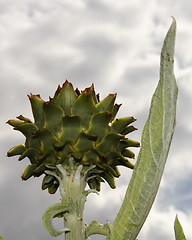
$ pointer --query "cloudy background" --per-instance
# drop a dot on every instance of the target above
(115, 45)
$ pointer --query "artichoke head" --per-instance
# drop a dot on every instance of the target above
(74, 125)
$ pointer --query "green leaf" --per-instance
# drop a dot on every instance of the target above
(99, 124)
(71, 128)
(50, 213)
(97, 228)
(117, 159)
(31, 153)
(47, 181)
(95, 183)
(1, 238)
(131, 143)
(65, 152)
(107, 104)
(109, 142)
(47, 140)
(109, 178)
(113, 170)
(84, 142)
(65, 97)
(37, 109)
(84, 107)
(53, 187)
(53, 115)
(115, 110)
(128, 153)
(27, 120)
(128, 129)
(28, 172)
(119, 124)
(15, 123)
(179, 234)
(28, 129)
(156, 139)
(17, 150)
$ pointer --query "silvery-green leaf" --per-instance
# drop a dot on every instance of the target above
(179, 234)
(155, 143)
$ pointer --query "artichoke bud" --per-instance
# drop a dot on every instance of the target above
(75, 125)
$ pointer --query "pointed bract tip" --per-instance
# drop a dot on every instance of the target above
(8, 122)
(30, 96)
(174, 20)
(133, 119)
(92, 86)
(77, 92)
(67, 83)
(57, 91)
(173, 24)
(89, 90)
(21, 117)
(98, 98)
(114, 95)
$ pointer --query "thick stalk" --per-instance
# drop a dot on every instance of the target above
(73, 194)
(72, 180)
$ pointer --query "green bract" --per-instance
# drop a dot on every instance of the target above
(74, 125)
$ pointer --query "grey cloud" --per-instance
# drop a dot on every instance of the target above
(143, 77)
(97, 53)
(159, 235)
(23, 202)
(122, 15)
(182, 138)
(178, 196)
(35, 50)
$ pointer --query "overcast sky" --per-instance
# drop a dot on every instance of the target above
(115, 45)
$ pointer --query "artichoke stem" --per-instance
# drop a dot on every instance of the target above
(73, 194)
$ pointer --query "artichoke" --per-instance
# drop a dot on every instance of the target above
(76, 127)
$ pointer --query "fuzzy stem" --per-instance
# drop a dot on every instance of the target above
(73, 183)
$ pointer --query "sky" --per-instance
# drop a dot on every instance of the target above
(115, 45)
